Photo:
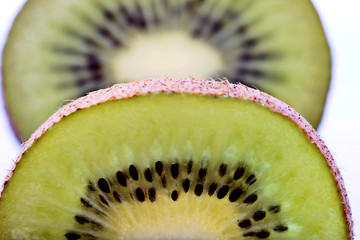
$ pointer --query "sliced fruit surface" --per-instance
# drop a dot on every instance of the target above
(175, 159)
(60, 50)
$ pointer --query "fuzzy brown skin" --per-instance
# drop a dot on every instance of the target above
(202, 87)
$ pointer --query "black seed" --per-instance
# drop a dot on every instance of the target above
(103, 200)
(263, 234)
(249, 43)
(242, 29)
(174, 195)
(85, 202)
(152, 194)
(121, 177)
(109, 15)
(189, 167)
(280, 228)
(81, 219)
(186, 185)
(140, 194)
(250, 199)
(159, 167)
(239, 173)
(202, 173)
(212, 189)
(198, 189)
(251, 179)
(174, 170)
(91, 186)
(137, 21)
(275, 208)
(115, 42)
(90, 41)
(72, 236)
(235, 194)
(133, 172)
(104, 185)
(249, 234)
(259, 215)
(148, 175)
(245, 223)
(117, 196)
(246, 57)
(216, 26)
(196, 33)
(93, 62)
(104, 32)
(222, 170)
(223, 190)
(163, 181)
(202, 22)
(251, 57)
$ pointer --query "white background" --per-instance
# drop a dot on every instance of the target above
(341, 123)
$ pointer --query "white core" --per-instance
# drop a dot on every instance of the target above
(170, 54)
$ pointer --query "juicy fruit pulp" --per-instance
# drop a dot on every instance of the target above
(153, 166)
(74, 47)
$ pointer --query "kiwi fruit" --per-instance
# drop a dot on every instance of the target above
(175, 159)
(60, 50)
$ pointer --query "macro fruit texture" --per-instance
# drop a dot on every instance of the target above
(60, 50)
(175, 159)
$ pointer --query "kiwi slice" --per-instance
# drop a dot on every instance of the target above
(62, 49)
(175, 159)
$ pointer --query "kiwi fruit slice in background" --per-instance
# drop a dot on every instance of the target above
(175, 159)
(60, 50)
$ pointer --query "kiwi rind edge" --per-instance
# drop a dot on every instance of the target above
(201, 87)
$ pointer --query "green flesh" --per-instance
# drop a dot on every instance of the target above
(43, 196)
(277, 46)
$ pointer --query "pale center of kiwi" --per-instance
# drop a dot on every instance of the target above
(176, 55)
(152, 220)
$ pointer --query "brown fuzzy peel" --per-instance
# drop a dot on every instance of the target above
(202, 87)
